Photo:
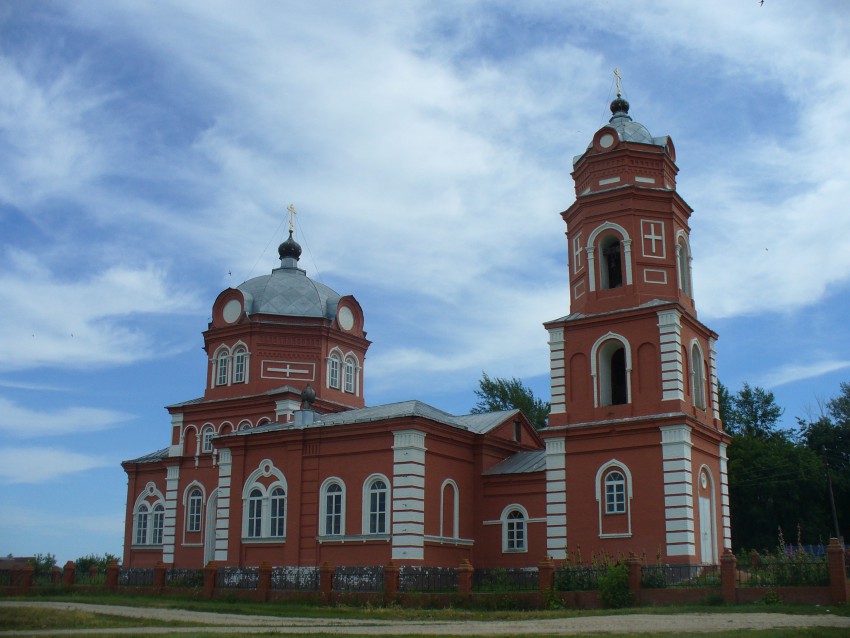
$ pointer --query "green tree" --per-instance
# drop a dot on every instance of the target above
(509, 394)
(753, 412)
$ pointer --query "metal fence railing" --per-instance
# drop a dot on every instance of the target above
(505, 579)
(237, 578)
(295, 578)
(782, 574)
(135, 576)
(427, 579)
(680, 576)
(189, 578)
(358, 579)
(578, 578)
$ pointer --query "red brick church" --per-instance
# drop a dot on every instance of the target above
(282, 461)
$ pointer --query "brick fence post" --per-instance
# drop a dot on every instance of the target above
(159, 577)
(729, 577)
(326, 581)
(464, 577)
(27, 576)
(634, 566)
(112, 571)
(838, 589)
(55, 575)
(264, 580)
(546, 575)
(391, 581)
(68, 574)
(210, 572)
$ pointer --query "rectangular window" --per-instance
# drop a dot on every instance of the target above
(333, 514)
(278, 526)
(615, 498)
(141, 526)
(194, 522)
(378, 513)
(255, 517)
(158, 524)
(239, 367)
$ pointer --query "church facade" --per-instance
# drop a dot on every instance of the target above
(281, 460)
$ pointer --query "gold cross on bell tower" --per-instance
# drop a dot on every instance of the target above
(292, 213)
(617, 75)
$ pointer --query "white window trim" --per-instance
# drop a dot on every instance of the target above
(625, 242)
(367, 505)
(355, 374)
(684, 277)
(194, 485)
(323, 491)
(503, 519)
(595, 372)
(221, 353)
(266, 469)
(244, 424)
(612, 465)
(334, 356)
(150, 497)
(449, 483)
(697, 365)
(240, 346)
(202, 441)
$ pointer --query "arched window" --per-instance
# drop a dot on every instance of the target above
(683, 265)
(334, 363)
(349, 376)
(514, 529)
(375, 498)
(332, 509)
(221, 377)
(142, 524)
(613, 373)
(158, 524)
(697, 377)
(277, 518)
(194, 510)
(615, 493)
(611, 262)
(449, 510)
(244, 425)
(239, 359)
(613, 496)
(264, 503)
(206, 439)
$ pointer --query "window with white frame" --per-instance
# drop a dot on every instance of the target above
(615, 493)
(221, 377)
(683, 265)
(514, 530)
(334, 363)
(350, 370)
(697, 377)
(149, 517)
(194, 510)
(332, 509)
(142, 512)
(612, 366)
(207, 435)
(239, 359)
(610, 263)
(449, 510)
(376, 496)
(264, 504)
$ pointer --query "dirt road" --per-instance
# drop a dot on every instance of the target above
(240, 624)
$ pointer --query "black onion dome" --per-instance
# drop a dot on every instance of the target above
(289, 248)
(619, 106)
(308, 395)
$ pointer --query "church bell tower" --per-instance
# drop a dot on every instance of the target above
(635, 421)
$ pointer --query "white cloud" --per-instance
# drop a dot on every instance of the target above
(799, 371)
(44, 464)
(23, 422)
(81, 322)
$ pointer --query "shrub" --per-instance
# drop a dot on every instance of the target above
(614, 591)
(84, 563)
(43, 565)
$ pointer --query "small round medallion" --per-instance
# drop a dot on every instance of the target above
(345, 318)
(232, 310)
(606, 141)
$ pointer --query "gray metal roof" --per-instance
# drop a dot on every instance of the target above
(475, 423)
(153, 457)
(573, 316)
(289, 291)
(281, 389)
(520, 463)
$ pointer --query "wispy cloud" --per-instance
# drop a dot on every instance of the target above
(799, 371)
(44, 464)
(23, 422)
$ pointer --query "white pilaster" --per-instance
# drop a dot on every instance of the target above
(557, 374)
(285, 408)
(556, 498)
(169, 528)
(670, 348)
(712, 372)
(726, 520)
(678, 490)
(176, 434)
(408, 522)
(222, 519)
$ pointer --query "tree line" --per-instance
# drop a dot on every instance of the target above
(791, 483)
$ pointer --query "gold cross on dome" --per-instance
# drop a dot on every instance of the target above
(292, 213)
(617, 75)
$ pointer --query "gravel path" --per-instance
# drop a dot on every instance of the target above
(241, 624)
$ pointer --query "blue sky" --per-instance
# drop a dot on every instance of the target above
(148, 152)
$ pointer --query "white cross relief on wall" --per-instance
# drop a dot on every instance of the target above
(653, 238)
(288, 370)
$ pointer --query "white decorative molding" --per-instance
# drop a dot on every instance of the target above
(712, 373)
(557, 371)
(654, 276)
(652, 237)
(670, 348)
(678, 490)
(556, 498)
(408, 495)
(724, 498)
(222, 519)
(169, 528)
